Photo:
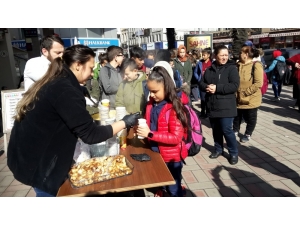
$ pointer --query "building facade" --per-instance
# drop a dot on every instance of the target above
(152, 39)
(265, 38)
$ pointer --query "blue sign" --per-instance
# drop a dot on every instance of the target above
(158, 45)
(21, 44)
(67, 42)
(97, 42)
(144, 46)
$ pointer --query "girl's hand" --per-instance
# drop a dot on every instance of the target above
(143, 131)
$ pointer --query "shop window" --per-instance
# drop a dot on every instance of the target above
(279, 45)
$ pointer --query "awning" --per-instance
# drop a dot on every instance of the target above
(222, 40)
(259, 36)
(285, 34)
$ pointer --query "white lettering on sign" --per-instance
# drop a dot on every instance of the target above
(98, 42)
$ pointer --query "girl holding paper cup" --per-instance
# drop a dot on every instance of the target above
(165, 137)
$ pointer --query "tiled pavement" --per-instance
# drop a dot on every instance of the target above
(269, 165)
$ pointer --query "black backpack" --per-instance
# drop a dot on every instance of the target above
(280, 70)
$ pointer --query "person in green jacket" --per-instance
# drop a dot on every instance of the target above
(102, 62)
(183, 65)
(130, 92)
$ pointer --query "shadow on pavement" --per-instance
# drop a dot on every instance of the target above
(259, 189)
(288, 125)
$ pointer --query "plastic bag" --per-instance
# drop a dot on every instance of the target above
(82, 152)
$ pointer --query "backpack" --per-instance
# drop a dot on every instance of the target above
(194, 139)
(280, 70)
(264, 87)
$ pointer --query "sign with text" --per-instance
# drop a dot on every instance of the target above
(199, 41)
(98, 42)
(10, 99)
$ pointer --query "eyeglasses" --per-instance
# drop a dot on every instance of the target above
(121, 55)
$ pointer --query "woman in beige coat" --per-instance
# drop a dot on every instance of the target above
(249, 94)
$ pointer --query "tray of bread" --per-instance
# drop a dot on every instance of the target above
(99, 169)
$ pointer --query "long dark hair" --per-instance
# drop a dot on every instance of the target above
(75, 53)
(161, 75)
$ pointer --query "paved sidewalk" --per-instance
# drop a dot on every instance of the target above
(269, 165)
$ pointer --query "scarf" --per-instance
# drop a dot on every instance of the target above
(185, 58)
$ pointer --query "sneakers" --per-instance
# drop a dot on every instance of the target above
(245, 138)
(275, 99)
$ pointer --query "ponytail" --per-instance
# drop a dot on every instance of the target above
(27, 102)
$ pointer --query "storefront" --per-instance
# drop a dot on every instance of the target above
(224, 41)
(260, 40)
(297, 41)
(285, 40)
(264, 43)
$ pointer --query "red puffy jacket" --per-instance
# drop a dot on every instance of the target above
(169, 135)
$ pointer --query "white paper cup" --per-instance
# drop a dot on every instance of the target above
(105, 102)
(110, 121)
(142, 123)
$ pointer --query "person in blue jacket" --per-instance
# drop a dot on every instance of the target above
(276, 84)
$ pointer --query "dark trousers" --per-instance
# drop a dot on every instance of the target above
(195, 92)
(222, 127)
(175, 168)
(203, 103)
(276, 86)
(250, 117)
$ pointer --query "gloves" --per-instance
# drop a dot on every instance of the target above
(140, 157)
(131, 120)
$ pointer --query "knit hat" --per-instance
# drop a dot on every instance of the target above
(276, 53)
(168, 68)
(248, 43)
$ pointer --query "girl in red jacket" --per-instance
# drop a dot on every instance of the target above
(166, 137)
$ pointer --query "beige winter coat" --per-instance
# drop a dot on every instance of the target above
(249, 94)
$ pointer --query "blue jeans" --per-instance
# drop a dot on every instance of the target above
(222, 127)
(40, 193)
(276, 86)
(175, 169)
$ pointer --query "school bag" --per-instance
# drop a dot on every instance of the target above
(194, 139)
(264, 87)
(280, 70)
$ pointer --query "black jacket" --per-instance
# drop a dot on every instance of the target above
(41, 146)
(226, 78)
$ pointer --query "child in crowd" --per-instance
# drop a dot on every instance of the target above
(130, 92)
(199, 71)
(166, 137)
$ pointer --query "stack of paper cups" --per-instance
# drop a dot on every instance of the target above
(104, 111)
(142, 123)
(120, 113)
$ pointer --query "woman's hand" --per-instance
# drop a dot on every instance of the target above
(211, 88)
(143, 130)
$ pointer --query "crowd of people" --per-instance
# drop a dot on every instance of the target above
(62, 87)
